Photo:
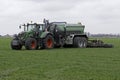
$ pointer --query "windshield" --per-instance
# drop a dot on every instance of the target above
(35, 27)
(30, 27)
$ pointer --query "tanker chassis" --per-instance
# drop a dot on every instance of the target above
(54, 35)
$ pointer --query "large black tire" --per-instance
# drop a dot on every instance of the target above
(16, 47)
(48, 42)
(31, 44)
(80, 42)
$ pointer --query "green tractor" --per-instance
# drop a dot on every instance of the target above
(28, 38)
(52, 35)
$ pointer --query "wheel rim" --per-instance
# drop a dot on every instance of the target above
(84, 44)
(33, 44)
(49, 43)
(81, 44)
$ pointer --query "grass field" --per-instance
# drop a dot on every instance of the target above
(60, 64)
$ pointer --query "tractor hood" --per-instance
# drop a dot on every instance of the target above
(23, 35)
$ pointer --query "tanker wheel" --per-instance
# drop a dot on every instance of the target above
(84, 42)
(48, 42)
(16, 47)
(80, 42)
(31, 44)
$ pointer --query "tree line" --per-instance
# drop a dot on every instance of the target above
(104, 35)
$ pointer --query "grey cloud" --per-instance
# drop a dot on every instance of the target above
(95, 14)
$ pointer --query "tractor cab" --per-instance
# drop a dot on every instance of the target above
(32, 27)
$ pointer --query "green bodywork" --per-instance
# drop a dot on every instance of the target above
(44, 34)
(71, 28)
(75, 27)
(38, 31)
(25, 35)
(31, 34)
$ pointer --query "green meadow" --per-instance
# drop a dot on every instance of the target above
(60, 63)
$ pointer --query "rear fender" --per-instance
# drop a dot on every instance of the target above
(44, 34)
(83, 35)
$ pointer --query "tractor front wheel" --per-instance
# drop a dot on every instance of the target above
(16, 45)
(31, 44)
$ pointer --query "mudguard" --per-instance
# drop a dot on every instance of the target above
(44, 34)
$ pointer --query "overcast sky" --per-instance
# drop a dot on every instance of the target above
(99, 16)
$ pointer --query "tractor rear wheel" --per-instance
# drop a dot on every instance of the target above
(16, 45)
(48, 42)
(31, 44)
(80, 42)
